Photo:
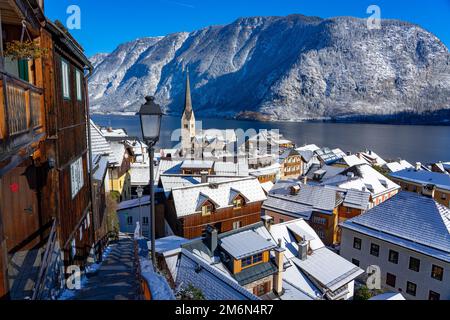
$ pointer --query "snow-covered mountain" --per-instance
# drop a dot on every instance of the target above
(290, 67)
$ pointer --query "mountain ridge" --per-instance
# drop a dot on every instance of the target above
(284, 68)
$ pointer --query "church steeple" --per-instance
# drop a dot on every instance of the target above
(187, 120)
(188, 100)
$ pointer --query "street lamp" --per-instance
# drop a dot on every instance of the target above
(140, 193)
(150, 116)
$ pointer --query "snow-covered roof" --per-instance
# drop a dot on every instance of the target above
(363, 178)
(186, 198)
(372, 158)
(114, 133)
(408, 220)
(357, 199)
(139, 174)
(228, 168)
(309, 147)
(133, 203)
(169, 244)
(100, 167)
(398, 166)
(440, 180)
(354, 160)
(99, 144)
(267, 186)
(301, 205)
(245, 244)
(118, 153)
(269, 170)
(213, 283)
(316, 267)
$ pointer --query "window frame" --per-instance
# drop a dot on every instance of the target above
(372, 251)
(79, 85)
(411, 259)
(431, 293)
(251, 261)
(207, 213)
(433, 267)
(357, 240)
(393, 277)
(130, 220)
(411, 293)
(395, 261)
(64, 62)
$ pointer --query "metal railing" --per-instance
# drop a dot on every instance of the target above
(49, 261)
(20, 106)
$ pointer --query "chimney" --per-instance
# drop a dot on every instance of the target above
(211, 239)
(418, 166)
(295, 189)
(278, 277)
(305, 180)
(303, 250)
(268, 221)
(204, 175)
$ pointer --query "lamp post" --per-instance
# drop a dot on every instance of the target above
(140, 193)
(150, 115)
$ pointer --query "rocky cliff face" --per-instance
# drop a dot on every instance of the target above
(288, 68)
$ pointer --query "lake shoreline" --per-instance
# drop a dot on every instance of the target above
(339, 120)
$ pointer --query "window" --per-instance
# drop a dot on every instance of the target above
(321, 234)
(414, 264)
(236, 225)
(393, 256)
(249, 261)
(207, 209)
(411, 288)
(65, 79)
(374, 249)
(357, 244)
(76, 177)
(349, 210)
(130, 221)
(434, 296)
(444, 196)
(238, 203)
(79, 78)
(391, 280)
(356, 262)
(320, 220)
(261, 289)
(145, 221)
(437, 272)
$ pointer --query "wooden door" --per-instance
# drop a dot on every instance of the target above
(19, 208)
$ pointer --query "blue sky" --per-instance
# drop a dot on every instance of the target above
(106, 24)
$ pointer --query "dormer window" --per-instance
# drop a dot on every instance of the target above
(238, 202)
(250, 261)
(207, 209)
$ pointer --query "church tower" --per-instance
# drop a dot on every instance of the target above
(187, 120)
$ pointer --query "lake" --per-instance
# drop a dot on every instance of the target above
(411, 142)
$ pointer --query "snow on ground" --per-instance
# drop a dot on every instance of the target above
(68, 294)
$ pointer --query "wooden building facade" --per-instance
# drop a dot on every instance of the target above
(45, 199)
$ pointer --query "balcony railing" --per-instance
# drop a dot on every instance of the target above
(21, 105)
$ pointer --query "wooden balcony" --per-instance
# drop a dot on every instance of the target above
(21, 115)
